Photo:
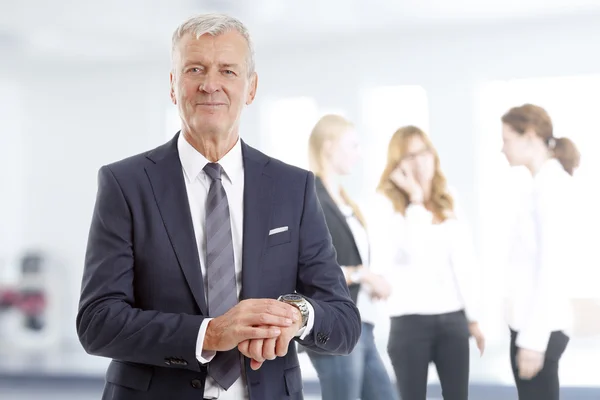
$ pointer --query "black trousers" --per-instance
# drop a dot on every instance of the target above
(545, 385)
(416, 340)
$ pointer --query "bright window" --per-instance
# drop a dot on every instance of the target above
(286, 125)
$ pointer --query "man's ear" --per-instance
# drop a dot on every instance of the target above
(172, 90)
(253, 86)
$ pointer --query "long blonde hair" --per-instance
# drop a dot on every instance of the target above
(329, 128)
(441, 203)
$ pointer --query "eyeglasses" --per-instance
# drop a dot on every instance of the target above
(411, 156)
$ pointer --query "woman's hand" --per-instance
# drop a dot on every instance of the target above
(478, 335)
(405, 178)
(529, 363)
(379, 287)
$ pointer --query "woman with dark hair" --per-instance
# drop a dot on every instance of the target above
(538, 308)
(428, 258)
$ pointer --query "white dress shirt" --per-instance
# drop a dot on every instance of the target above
(197, 184)
(541, 248)
(366, 307)
(431, 267)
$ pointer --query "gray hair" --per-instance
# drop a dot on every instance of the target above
(214, 24)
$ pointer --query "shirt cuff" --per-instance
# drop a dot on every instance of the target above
(306, 330)
(203, 356)
(530, 341)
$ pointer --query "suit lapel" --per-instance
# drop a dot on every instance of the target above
(258, 198)
(170, 193)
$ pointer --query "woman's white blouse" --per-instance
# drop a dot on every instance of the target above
(542, 245)
(432, 267)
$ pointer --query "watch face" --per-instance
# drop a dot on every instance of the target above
(292, 297)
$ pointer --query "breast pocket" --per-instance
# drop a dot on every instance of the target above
(279, 238)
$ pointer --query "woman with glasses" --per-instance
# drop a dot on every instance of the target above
(428, 257)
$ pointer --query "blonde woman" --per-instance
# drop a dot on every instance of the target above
(333, 151)
(539, 312)
(429, 260)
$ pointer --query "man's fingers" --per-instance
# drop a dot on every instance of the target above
(269, 306)
(282, 345)
(268, 349)
(261, 332)
(244, 348)
(256, 350)
(264, 318)
(255, 364)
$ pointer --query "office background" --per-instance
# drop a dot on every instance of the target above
(85, 83)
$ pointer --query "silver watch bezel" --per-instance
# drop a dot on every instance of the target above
(300, 304)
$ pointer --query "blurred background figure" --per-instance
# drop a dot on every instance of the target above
(334, 151)
(539, 309)
(428, 258)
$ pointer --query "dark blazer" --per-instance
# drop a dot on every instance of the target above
(142, 298)
(341, 235)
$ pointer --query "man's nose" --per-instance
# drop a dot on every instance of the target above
(210, 84)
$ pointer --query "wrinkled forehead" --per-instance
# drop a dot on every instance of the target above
(229, 48)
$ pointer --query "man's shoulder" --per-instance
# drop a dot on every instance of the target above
(136, 162)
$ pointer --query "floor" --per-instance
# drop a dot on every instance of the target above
(23, 387)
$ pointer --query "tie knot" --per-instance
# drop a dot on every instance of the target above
(213, 170)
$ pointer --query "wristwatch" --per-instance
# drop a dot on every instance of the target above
(299, 302)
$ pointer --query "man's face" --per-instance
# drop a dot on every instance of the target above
(210, 82)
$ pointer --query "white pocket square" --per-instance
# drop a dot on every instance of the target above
(278, 230)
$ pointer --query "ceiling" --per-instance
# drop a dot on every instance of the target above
(118, 29)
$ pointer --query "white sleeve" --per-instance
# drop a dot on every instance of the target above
(550, 219)
(203, 356)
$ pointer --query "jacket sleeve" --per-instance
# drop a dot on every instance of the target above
(108, 323)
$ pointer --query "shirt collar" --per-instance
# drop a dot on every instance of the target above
(193, 161)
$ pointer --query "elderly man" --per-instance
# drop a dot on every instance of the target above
(207, 258)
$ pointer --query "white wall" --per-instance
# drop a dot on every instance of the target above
(71, 120)
(12, 170)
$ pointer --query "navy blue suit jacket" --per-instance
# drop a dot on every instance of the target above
(142, 298)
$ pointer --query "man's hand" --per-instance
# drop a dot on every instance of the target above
(250, 319)
(259, 350)
(529, 363)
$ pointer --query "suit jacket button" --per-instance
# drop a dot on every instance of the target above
(196, 383)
